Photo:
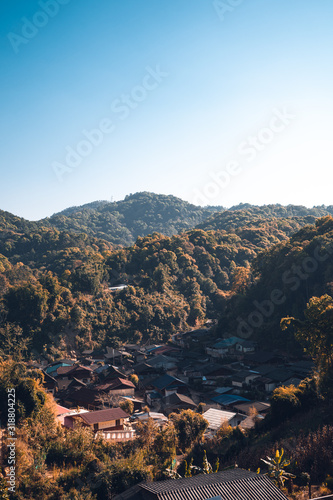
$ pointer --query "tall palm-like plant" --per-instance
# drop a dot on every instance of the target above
(276, 468)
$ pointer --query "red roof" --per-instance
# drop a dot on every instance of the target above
(60, 410)
(94, 417)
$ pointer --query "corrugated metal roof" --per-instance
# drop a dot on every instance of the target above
(216, 418)
(258, 405)
(236, 484)
(227, 399)
(165, 381)
(93, 417)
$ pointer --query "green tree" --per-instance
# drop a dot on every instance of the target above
(315, 334)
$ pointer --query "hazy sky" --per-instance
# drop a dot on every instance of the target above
(215, 102)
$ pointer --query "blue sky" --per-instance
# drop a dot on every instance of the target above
(217, 105)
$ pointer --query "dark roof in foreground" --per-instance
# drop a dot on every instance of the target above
(235, 484)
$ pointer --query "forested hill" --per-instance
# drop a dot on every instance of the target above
(286, 218)
(54, 284)
(138, 214)
(284, 278)
(144, 213)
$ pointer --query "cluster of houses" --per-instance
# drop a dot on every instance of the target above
(230, 378)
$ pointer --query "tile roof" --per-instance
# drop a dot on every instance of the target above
(236, 484)
(93, 417)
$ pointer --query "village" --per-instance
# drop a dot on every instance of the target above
(229, 381)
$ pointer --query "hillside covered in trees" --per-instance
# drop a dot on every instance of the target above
(54, 284)
(140, 214)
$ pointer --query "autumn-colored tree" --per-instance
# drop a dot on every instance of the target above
(147, 432)
(127, 405)
(190, 427)
(240, 280)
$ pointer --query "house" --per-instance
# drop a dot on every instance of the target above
(79, 372)
(244, 377)
(229, 400)
(302, 368)
(153, 398)
(52, 368)
(250, 422)
(138, 403)
(216, 418)
(264, 384)
(162, 362)
(222, 347)
(49, 383)
(111, 373)
(88, 398)
(62, 413)
(236, 484)
(292, 381)
(183, 339)
(111, 424)
(166, 384)
(117, 387)
(159, 418)
(247, 408)
(177, 402)
(144, 368)
(245, 346)
(113, 354)
(278, 377)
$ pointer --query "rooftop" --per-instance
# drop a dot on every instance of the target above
(93, 417)
(216, 418)
(236, 484)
